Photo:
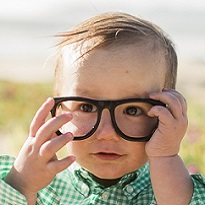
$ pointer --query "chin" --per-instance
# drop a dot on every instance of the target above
(114, 170)
(109, 174)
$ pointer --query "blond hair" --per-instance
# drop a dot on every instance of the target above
(108, 29)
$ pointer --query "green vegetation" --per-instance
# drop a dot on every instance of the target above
(193, 146)
(19, 102)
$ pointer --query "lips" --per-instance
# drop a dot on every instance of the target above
(107, 156)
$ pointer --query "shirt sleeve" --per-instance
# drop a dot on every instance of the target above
(199, 189)
(8, 195)
(47, 196)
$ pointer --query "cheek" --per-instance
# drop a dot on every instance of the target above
(76, 148)
(138, 154)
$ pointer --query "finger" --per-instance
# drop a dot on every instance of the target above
(49, 148)
(47, 130)
(172, 102)
(59, 165)
(40, 116)
(180, 98)
(163, 114)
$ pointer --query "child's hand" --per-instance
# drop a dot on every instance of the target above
(172, 124)
(37, 163)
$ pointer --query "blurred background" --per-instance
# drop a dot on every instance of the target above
(27, 47)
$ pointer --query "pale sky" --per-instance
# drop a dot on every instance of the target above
(26, 24)
(30, 9)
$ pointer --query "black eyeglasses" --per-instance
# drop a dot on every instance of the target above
(129, 116)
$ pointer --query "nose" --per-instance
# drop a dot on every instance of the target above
(105, 130)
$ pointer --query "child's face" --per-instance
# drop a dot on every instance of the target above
(130, 71)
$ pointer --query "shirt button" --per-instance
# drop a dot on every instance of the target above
(105, 196)
(84, 175)
(129, 189)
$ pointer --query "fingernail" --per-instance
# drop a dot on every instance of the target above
(70, 135)
(72, 158)
(48, 99)
(68, 114)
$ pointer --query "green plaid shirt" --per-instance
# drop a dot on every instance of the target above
(75, 186)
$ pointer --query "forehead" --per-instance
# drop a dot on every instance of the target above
(122, 71)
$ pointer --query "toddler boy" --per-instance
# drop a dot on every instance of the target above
(117, 111)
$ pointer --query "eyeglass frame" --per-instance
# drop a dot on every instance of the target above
(110, 105)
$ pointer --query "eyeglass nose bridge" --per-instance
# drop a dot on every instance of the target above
(106, 104)
(110, 105)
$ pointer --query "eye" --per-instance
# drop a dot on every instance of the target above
(88, 108)
(133, 111)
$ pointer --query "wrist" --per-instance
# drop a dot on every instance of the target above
(167, 166)
(16, 182)
(153, 158)
(160, 151)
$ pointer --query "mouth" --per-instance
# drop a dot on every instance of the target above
(107, 156)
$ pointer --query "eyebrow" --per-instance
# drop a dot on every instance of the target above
(83, 92)
(88, 93)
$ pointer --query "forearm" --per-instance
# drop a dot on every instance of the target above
(171, 181)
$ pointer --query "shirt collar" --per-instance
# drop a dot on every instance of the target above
(139, 184)
(131, 184)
